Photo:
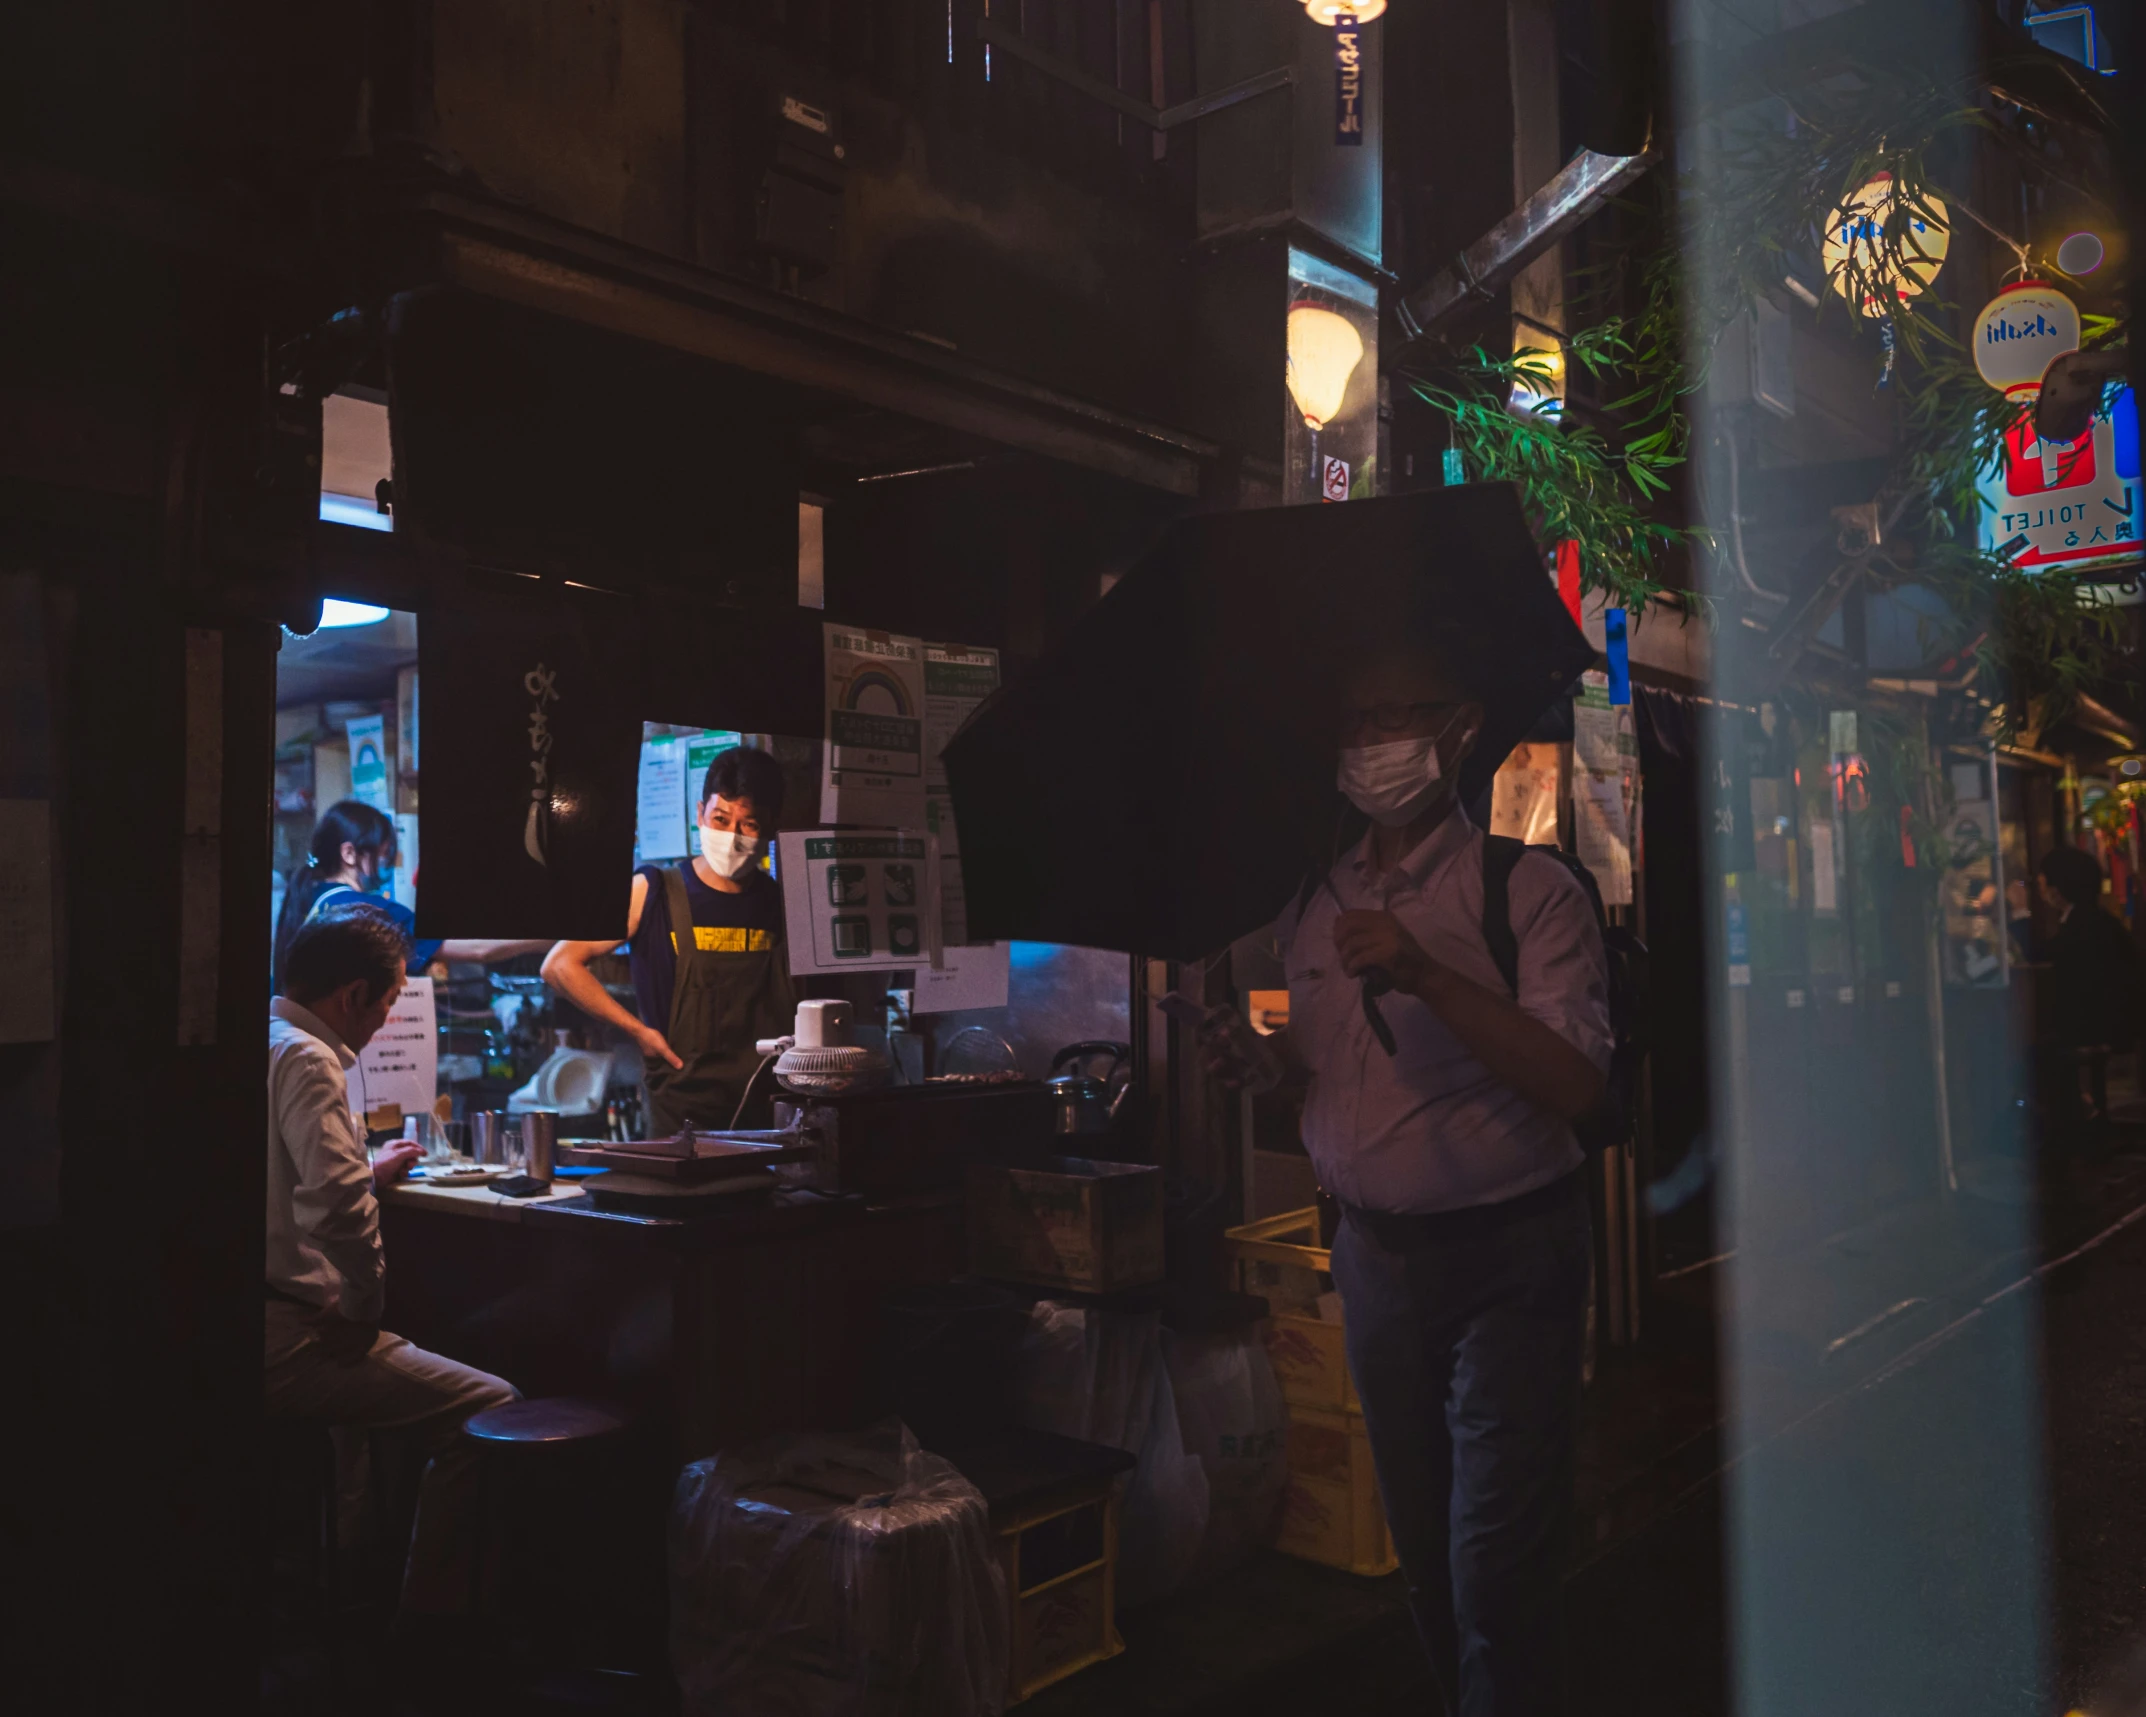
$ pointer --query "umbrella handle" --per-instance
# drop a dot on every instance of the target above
(1377, 981)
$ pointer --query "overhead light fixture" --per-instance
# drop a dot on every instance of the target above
(1327, 12)
(334, 613)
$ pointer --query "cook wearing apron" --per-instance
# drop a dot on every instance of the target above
(732, 987)
(705, 938)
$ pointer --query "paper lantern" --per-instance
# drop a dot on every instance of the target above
(1324, 350)
(1871, 273)
(1327, 11)
(2020, 333)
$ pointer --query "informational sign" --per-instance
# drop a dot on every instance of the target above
(1334, 479)
(1605, 769)
(371, 781)
(977, 976)
(660, 809)
(398, 1073)
(1825, 867)
(873, 762)
(1348, 81)
(2071, 506)
(860, 900)
(956, 680)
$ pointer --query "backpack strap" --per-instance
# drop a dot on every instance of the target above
(1500, 854)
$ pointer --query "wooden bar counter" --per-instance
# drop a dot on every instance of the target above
(720, 1328)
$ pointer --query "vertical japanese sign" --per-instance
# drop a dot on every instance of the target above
(1348, 81)
(873, 761)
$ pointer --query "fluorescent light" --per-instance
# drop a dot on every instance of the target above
(334, 613)
(349, 510)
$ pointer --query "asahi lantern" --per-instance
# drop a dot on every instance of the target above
(1874, 273)
(2020, 333)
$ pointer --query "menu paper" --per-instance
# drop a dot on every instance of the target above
(399, 1071)
(860, 900)
(660, 813)
(1523, 797)
(872, 769)
(1605, 764)
(977, 976)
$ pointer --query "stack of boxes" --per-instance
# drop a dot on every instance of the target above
(1332, 1512)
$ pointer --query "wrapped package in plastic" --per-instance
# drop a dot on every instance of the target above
(835, 1576)
(1099, 1375)
(1230, 1414)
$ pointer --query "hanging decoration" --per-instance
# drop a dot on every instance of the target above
(1324, 350)
(1330, 12)
(2020, 333)
(1884, 246)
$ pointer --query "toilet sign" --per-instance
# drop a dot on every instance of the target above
(2073, 506)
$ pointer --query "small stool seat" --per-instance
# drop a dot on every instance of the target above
(554, 1421)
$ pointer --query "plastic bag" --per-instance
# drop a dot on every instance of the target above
(1230, 1414)
(820, 1575)
(1098, 1375)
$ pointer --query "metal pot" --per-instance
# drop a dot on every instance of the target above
(1082, 1102)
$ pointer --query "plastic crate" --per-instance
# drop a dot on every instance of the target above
(1280, 1259)
(1331, 1512)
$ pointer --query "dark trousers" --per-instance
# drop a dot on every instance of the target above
(1465, 1337)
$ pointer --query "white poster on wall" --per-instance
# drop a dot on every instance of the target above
(860, 900)
(372, 779)
(872, 769)
(1605, 763)
(398, 1073)
(956, 679)
(660, 809)
(977, 976)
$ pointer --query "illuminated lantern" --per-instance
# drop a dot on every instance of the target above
(2020, 332)
(1865, 269)
(1324, 350)
(1326, 11)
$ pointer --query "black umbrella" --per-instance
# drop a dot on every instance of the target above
(1163, 779)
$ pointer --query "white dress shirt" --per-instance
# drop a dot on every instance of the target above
(1430, 1129)
(323, 1222)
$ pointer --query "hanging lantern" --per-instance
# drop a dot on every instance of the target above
(1327, 11)
(2020, 333)
(1872, 272)
(1324, 350)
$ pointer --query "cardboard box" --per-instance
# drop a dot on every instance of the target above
(1089, 1227)
(1279, 1259)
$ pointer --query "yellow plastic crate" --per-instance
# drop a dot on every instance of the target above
(1331, 1512)
(1280, 1259)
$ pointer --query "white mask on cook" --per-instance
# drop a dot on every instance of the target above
(727, 853)
(1396, 781)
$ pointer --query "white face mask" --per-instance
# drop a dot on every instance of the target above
(1396, 781)
(727, 852)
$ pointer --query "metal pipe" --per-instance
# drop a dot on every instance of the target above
(1582, 185)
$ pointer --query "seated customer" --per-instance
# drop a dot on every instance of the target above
(326, 1357)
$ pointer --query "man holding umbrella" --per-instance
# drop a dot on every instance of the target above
(1397, 648)
(1463, 1254)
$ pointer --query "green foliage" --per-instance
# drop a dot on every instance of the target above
(1596, 478)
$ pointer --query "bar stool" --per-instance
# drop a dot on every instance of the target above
(301, 1459)
(538, 1443)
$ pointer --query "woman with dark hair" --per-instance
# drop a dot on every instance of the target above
(352, 850)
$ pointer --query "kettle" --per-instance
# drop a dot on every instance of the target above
(1081, 1102)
